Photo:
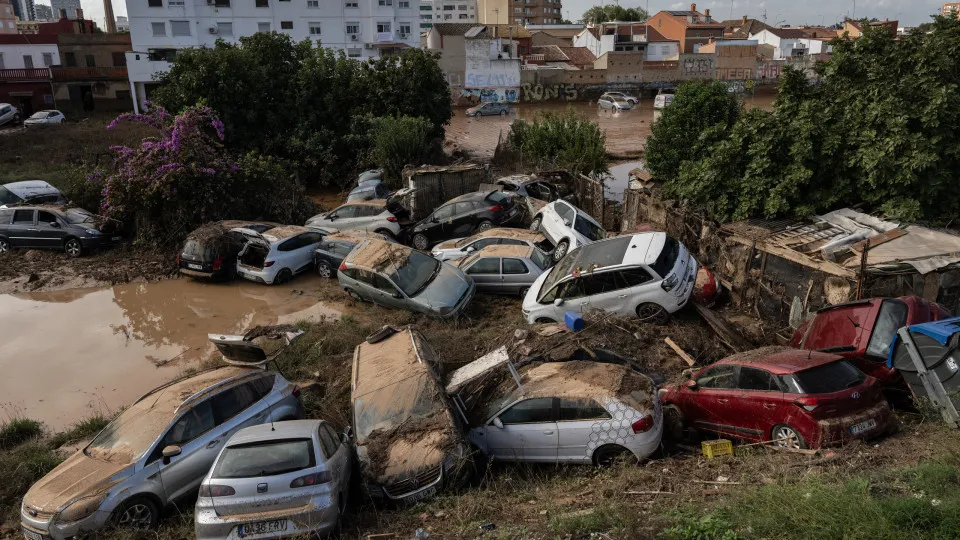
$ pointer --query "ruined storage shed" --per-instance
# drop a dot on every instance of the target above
(434, 185)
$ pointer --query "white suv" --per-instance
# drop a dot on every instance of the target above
(649, 275)
(9, 114)
(275, 256)
(382, 216)
(566, 226)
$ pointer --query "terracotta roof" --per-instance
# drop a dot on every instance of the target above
(452, 29)
(566, 33)
(788, 33)
(682, 18)
(737, 29)
(487, 31)
(551, 53)
(579, 55)
(654, 36)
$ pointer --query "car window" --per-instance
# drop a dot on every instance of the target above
(667, 258)
(512, 242)
(309, 238)
(351, 273)
(757, 379)
(572, 289)
(195, 422)
(265, 458)
(602, 282)
(588, 229)
(892, 317)
(461, 208)
(290, 244)
(485, 265)
(334, 436)
(5, 215)
(262, 386)
(514, 266)
(484, 242)
(23, 216)
(828, 378)
(45, 217)
(346, 211)
(369, 211)
(634, 276)
(581, 409)
(541, 259)
(365, 276)
(228, 403)
(444, 212)
(530, 411)
(384, 284)
(723, 376)
(565, 212)
(327, 444)
(507, 186)
(342, 248)
(416, 273)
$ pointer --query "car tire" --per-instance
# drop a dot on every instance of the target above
(503, 113)
(324, 269)
(673, 423)
(609, 454)
(354, 295)
(4, 245)
(421, 242)
(560, 250)
(544, 320)
(386, 232)
(484, 226)
(524, 291)
(16, 119)
(535, 224)
(72, 247)
(283, 276)
(137, 513)
(652, 312)
(785, 436)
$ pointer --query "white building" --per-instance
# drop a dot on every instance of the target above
(27, 55)
(627, 37)
(123, 25)
(786, 42)
(361, 28)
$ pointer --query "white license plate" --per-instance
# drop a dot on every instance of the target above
(195, 266)
(262, 527)
(30, 535)
(429, 492)
(857, 429)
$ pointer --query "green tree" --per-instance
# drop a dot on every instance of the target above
(599, 14)
(560, 140)
(397, 142)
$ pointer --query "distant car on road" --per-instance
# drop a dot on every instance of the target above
(466, 214)
(44, 118)
(489, 109)
(664, 98)
(794, 399)
(505, 269)
(632, 100)
(210, 251)
(9, 114)
(382, 216)
(610, 103)
(29, 192)
(73, 230)
(281, 479)
(275, 256)
(459, 248)
(566, 226)
(335, 247)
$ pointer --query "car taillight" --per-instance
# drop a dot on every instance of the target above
(218, 263)
(808, 403)
(497, 208)
(296, 391)
(216, 491)
(392, 219)
(268, 264)
(669, 283)
(312, 479)
(643, 424)
(343, 266)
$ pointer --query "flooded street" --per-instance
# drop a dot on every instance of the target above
(67, 354)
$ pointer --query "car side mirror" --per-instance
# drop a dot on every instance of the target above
(498, 423)
(566, 222)
(434, 220)
(397, 295)
(469, 249)
(169, 452)
(558, 302)
(691, 384)
(332, 217)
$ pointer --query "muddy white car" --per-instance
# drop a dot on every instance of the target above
(276, 255)
(382, 216)
(459, 248)
(409, 444)
(649, 275)
(567, 227)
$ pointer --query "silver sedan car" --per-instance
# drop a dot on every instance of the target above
(503, 269)
(289, 478)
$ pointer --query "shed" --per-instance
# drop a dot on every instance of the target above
(433, 185)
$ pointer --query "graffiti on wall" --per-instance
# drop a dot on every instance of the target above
(741, 87)
(734, 74)
(696, 65)
(480, 79)
(769, 70)
(454, 80)
(493, 95)
(539, 92)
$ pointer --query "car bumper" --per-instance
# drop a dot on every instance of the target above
(258, 276)
(51, 530)
(199, 274)
(318, 517)
(100, 242)
(463, 303)
(836, 431)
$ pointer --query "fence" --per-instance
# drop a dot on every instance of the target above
(434, 185)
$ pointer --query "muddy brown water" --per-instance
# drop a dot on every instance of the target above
(67, 354)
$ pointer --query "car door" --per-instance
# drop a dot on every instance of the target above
(759, 404)
(344, 217)
(23, 230)
(193, 431)
(485, 272)
(642, 288)
(515, 275)
(284, 254)
(303, 255)
(571, 294)
(563, 220)
(708, 405)
(331, 452)
(465, 219)
(343, 457)
(578, 420)
(529, 432)
(608, 291)
(50, 230)
(442, 218)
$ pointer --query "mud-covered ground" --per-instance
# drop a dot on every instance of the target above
(50, 270)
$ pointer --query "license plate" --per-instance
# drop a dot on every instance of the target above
(116, 238)
(195, 266)
(248, 276)
(30, 535)
(857, 429)
(262, 527)
(429, 492)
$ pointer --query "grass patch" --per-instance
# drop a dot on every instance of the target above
(19, 430)
(20, 467)
(83, 429)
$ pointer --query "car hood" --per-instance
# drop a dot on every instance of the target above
(445, 290)
(78, 476)
(530, 300)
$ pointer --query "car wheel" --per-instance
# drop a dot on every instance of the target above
(650, 312)
(324, 269)
(673, 423)
(484, 226)
(535, 225)
(137, 513)
(72, 247)
(421, 242)
(609, 455)
(561, 250)
(386, 233)
(785, 436)
(524, 291)
(284, 276)
(354, 295)
(503, 113)
(4, 245)
(544, 320)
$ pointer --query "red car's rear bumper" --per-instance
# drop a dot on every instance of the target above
(841, 429)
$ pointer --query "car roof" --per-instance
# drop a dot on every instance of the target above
(381, 203)
(517, 179)
(174, 394)
(378, 365)
(506, 232)
(644, 248)
(505, 251)
(29, 186)
(781, 360)
(354, 235)
(379, 255)
(283, 232)
(578, 379)
(289, 429)
(472, 196)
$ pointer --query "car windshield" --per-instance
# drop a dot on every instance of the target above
(392, 405)
(599, 254)
(892, 317)
(415, 273)
(827, 378)
(197, 249)
(76, 216)
(360, 194)
(589, 229)
(40, 115)
(267, 458)
(131, 434)
(667, 258)
(7, 196)
(540, 258)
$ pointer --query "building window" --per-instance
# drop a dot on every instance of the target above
(48, 59)
(447, 17)
(286, 25)
(27, 61)
(664, 49)
(426, 18)
(70, 59)
(313, 4)
(354, 52)
(385, 2)
(464, 16)
(225, 29)
(404, 4)
(221, 3)
(404, 29)
(351, 4)
(262, 3)
(154, 3)
(314, 28)
(179, 28)
(383, 27)
(159, 29)
(449, 8)
(175, 2)
(462, 7)
(353, 28)
(119, 59)
(263, 27)
(91, 61)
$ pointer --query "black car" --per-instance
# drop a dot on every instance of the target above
(74, 230)
(335, 247)
(464, 216)
(210, 252)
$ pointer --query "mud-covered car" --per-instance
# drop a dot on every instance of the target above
(210, 251)
(409, 444)
(459, 248)
(74, 231)
(505, 269)
(278, 254)
(335, 247)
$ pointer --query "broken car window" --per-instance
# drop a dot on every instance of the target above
(388, 407)
(667, 258)
(530, 411)
(417, 271)
(829, 378)
(757, 379)
(892, 317)
(721, 377)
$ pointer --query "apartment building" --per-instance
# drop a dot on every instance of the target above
(447, 11)
(8, 21)
(363, 29)
(690, 28)
(950, 9)
(520, 12)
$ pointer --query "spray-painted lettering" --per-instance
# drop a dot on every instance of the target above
(539, 92)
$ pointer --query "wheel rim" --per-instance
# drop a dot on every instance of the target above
(354, 295)
(535, 225)
(560, 251)
(786, 437)
(544, 320)
(420, 242)
(324, 270)
(649, 312)
(73, 248)
(485, 226)
(137, 516)
(4, 246)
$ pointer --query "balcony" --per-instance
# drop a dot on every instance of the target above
(89, 73)
(24, 75)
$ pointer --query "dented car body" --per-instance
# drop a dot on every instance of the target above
(409, 444)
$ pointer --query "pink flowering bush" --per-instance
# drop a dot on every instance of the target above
(183, 177)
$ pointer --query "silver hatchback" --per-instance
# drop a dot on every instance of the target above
(284, 479)
(505, 269)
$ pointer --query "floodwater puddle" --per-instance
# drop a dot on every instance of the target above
(67, 354)
(617, 182)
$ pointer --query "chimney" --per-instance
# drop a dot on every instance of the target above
(693, 7)
(706, 15)
(744, 19)
(110, 22)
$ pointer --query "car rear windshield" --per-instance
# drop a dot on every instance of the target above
(892, 317)
(828, 378)
(197, 249)
(267, 458)
(415, 273)
(498, 197)
(540, 258)
(7, 196)
(589, 229)
(76, 216)
(667, 258)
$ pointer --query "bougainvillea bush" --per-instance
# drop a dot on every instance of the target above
(183, 177)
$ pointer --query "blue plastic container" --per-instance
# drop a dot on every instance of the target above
(573, 320)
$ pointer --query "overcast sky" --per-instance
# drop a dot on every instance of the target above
(908, 12)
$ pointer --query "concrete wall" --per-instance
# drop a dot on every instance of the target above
(624, 67)
(735, 61)
(485, 70)
(13, 55)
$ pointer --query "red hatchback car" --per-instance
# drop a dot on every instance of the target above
(798, 399)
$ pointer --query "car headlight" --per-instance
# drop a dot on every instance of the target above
(92, 231)
(81, 508)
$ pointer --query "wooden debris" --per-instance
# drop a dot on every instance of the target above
(680, 352)
(724, 330)
(628, 492)
(805, 451)
(878, 239)
(715, 482)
